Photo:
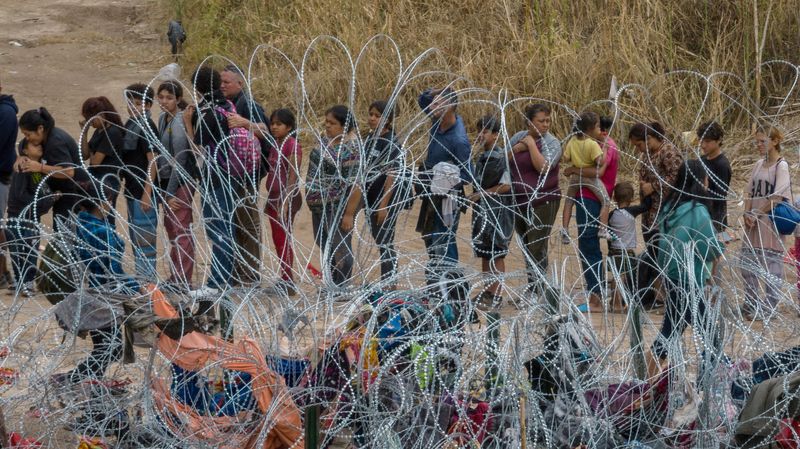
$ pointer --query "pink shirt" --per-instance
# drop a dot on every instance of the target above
(609, 178)
(279, 166)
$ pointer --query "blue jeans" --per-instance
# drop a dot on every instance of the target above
(441, 245)
(587, 213)
(23, 246)
(142, 230)
(218, 207)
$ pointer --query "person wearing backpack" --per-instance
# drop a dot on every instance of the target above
(248, 115)
(140, 174)
(207, 126)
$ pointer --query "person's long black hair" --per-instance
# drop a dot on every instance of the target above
(690, 185)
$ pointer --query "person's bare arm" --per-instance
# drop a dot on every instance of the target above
(149, 185)
(56, 171)
(589, 172)
(348, 218)
(96, 159)
(529, 145)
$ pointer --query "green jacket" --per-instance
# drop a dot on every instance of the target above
(688, 242)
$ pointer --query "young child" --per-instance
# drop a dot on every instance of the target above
(583, 151)
(22, 231)
(492, 218)
(718, 169)
(283, 192)
(140, 175)
(622, 223)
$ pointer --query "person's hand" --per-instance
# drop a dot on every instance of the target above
(174, 204)
(380, 216)
(188, 115)
(146, 202)
(475, 197)
(347, 223)
(569, 171)
(749, 219)
(29, 166)
(646, 188)
(237, 121)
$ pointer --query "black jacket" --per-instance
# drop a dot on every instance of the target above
(8, 134)
(23, 192)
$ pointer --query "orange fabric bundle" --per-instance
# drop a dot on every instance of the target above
(194, 352)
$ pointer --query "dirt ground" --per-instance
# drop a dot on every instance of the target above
(56, 53)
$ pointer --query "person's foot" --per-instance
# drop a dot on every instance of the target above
(27, 290)
(565, 238)
(204, 292)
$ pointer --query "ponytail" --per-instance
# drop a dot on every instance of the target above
(34, 118)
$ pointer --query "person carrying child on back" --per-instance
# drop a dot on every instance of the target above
(492, 218)
(583, 151)
(622, 223)
(29, 198)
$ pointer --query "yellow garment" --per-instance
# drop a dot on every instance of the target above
(582, 153)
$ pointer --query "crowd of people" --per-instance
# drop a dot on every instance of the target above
(225, 148)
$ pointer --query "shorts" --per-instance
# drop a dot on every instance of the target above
(492, 228)
(595, 185)
(622, 260)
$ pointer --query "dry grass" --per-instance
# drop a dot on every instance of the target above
(560, 50)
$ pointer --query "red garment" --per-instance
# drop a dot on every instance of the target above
(473, 426)
(178, 225)
(282, 238)
(279, 167)
(609, 178)
(797, 263)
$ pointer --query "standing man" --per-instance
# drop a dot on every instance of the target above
(8, 155)
(445, 171)
(247, 219)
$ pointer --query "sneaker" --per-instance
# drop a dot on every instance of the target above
(27, 290)
(565, 238)
(204, 292)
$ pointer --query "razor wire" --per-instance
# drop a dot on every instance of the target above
(412, 360)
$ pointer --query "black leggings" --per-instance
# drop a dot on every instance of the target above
(106, 349)
(384, 238)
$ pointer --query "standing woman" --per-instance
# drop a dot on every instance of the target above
(332, 168)
(177, 169)
(382, 161)
(283, 192)
(763, 248)
(103, 152)
(661, 163)
(61, 158)
(533, 163)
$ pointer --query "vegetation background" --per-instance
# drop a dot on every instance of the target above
(561, 50)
